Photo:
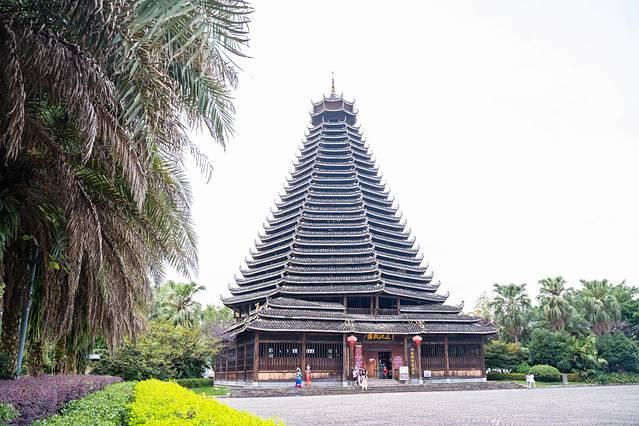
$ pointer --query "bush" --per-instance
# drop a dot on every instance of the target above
(40, 397)
(545, 373)
(621, 353)
(194, 383)
(575, 377)
(163, 403)
(505, 376)
(504, 355)
(7, 413)
(165, 352)
(524, 367)
(108, 407)
(612, 378)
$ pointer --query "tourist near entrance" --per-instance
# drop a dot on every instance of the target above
(337, 281)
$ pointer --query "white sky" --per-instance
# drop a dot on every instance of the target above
(507, 131)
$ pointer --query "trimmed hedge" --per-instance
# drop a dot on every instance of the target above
(545, 373)
(40, 397)
(169, 404)
(575, 377)
(107, 407)
(194, 383)
(612, 378)
(492, 375)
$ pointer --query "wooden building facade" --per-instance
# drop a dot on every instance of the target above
(336, 281)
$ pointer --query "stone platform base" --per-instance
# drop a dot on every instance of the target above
(258, 391)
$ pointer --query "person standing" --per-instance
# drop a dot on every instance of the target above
(298, 378)
(308, 375)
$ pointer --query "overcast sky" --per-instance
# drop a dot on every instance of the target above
(506, 130)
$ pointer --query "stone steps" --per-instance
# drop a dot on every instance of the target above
(257, 392)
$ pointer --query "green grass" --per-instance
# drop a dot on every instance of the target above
(211, 390)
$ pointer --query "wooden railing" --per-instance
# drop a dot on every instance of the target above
(371, 311)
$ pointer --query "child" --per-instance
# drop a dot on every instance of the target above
(364, 384)
(298, 378)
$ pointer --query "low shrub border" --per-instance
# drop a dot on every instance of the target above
(492, 375)
(39, 397)
(108, 407)
(164, 403)
(194, 383)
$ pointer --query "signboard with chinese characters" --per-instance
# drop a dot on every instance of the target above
(403, 373)
(428, 374)
(379, 336)
(359, 357)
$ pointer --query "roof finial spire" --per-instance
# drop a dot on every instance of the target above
(332, 83)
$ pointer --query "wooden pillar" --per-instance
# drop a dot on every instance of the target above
(237, 347)
(303, 354)
(406, 360)
(346, 361)
(376, 302)
(372, 303)
(482, 341)
(226, 365)
(447, 365)
(398, 306)
(256, 357)
(244, 368)
(420, 375)
(345, 302)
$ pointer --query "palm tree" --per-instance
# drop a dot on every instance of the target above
(179, 306)
(96, 102)
(553, 306)
(600, 306)
(511, 306)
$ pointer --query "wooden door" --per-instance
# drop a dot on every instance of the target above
(371, 364)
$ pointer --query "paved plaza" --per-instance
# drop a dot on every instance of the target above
(586, 405)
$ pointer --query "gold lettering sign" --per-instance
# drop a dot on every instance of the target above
(379, 336)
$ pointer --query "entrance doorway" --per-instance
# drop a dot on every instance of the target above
(384, 365)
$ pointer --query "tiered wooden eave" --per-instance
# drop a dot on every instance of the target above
(337, 240)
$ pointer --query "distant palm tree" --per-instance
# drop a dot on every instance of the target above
(511, 306)
(179, 307)
(553, 306)
(600, 306)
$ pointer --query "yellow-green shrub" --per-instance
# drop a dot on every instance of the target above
(164, 403)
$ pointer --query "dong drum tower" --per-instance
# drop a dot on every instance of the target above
(336, 280)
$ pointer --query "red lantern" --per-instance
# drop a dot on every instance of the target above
(417, 340)
(351, 340)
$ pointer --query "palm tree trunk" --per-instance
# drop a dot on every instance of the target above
(11, 311)
(60, 350)
(35, 361)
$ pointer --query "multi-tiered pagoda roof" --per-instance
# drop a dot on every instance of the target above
(337, 234)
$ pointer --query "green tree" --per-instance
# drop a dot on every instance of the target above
(96, 105)
(552, 348)
(164, 352)
(554, 308)
(179, 306)
(599, 305)
(511, 307)
(621, 352)
(628, 298)
(482, 307)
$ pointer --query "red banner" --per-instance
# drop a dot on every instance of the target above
(359, 357)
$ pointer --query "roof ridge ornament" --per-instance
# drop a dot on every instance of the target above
(332, 84)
